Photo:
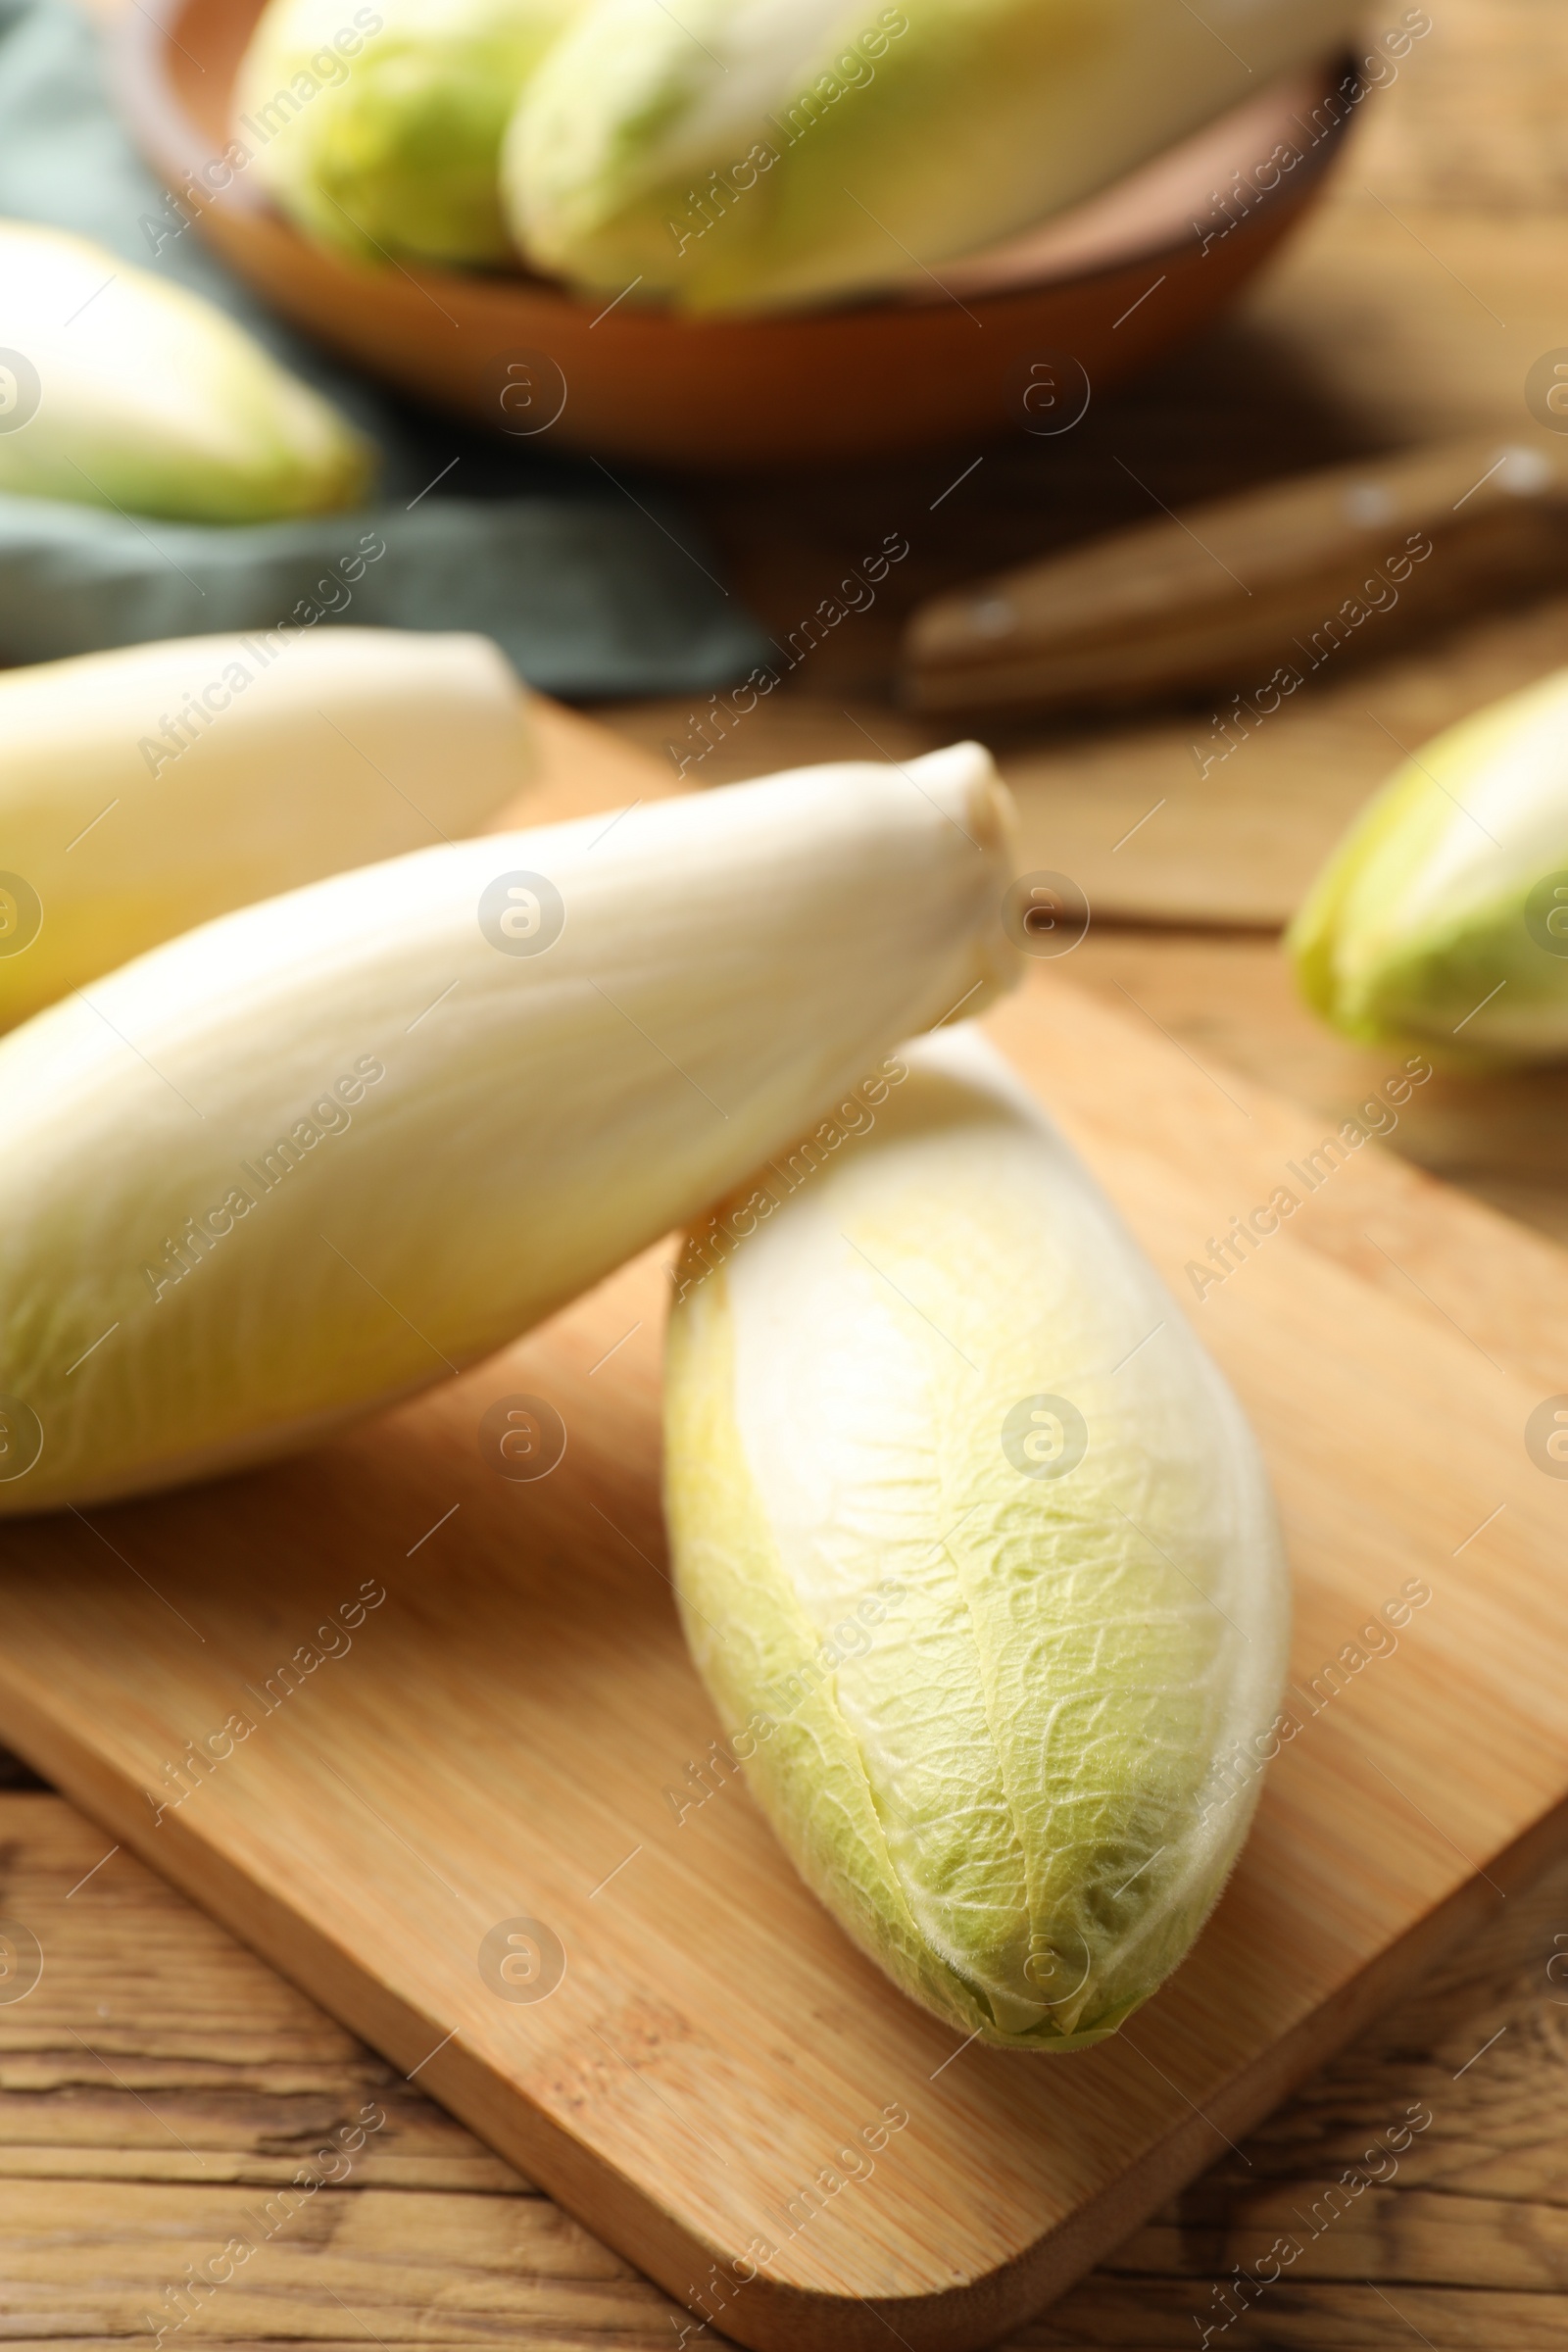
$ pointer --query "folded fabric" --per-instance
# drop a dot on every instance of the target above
(591, 588)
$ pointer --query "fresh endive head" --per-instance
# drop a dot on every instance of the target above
(975, 1552)
(120, 390)
(1441, 917)
(747, 154)
(144, 790)
(334, 1146)
(378, 129)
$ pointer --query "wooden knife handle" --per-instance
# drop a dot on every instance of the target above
(1222, 594)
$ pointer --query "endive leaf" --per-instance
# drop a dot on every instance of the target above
(744, 154)
(145, 790)
(1441, 917)
(332, 1147)
(120, 390)
(976, 1551)
(379, 129)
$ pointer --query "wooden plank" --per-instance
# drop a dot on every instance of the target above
(495, 1739)
(1231, 1000)
(203, 2070)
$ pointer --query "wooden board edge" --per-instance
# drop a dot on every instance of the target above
(766, 2316)
(1106, 2222)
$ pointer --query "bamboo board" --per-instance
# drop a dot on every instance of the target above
(678, 2043)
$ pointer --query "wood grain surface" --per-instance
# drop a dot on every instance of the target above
(162, 2082)
(1380, 328)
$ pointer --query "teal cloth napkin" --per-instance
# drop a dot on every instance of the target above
(587, 590)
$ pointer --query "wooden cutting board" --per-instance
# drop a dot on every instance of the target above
(425, 1735)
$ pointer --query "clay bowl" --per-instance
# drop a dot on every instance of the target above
(1017, 336)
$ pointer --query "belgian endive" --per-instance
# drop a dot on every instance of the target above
(1441, 917)
(975, 1552)
(118, 389)
(329, 1147)
(744, 154)
(145, 790)
(380, 131)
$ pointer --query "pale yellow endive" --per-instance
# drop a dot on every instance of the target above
(976, 1554)
(146, 790)
(328, 1148)
(1441, 916)
(378, 128)
(738, 155)
(119, 388)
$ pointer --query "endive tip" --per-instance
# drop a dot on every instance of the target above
(992, 812)
(963, 780)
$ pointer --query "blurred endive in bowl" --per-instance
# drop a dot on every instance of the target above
(733, 155)
(404, 154)
(748, 154)
(1140, 261)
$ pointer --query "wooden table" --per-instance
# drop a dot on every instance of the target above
(160, 2078)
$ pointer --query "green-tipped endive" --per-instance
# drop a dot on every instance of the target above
(330, 1147)
(120, 390)
(1442, 918)
(143, 791)
(746, 154)
(379, 132)
(975, 1552)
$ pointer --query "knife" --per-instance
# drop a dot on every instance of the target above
(1229, 592)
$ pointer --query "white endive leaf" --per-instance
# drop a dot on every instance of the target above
(118, 389)
(330, 1147)
(745, 154)
(379, 129)
(1441, 917)
(146, 790)
(976, 1554)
